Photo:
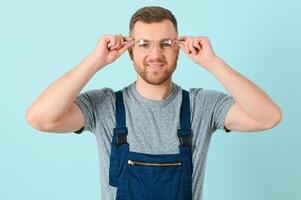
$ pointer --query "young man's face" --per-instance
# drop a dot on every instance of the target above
(154, 61)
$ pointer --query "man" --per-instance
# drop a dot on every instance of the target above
(152, 103)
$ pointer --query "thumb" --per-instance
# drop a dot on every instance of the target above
(183, 47)
(124, 48)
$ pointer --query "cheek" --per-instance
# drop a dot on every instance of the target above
(138, 58)
(172, 58)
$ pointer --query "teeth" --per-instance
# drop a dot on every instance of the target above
(155, 65)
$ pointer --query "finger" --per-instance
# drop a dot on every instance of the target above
(124, 48)
(205, 41)
(117, 43)
(112, 42)
(182, 45)
(192, 49)
(127, 39)
(106, 39)
(121, 42)
(180, 42)
(187, 45)
(185, 48)
(196, 44)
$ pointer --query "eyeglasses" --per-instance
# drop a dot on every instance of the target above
(145, 46)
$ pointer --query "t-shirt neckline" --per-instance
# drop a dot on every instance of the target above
(152, 102)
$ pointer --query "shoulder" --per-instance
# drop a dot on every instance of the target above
(209, 97)
(95, 96)
(202, 93)
(106, 92)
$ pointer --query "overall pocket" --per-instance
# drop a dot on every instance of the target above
(154, 180)
(154, 164)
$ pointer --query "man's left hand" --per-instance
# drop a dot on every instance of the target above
(199, 49)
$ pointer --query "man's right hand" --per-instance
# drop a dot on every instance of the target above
(109, 48)
(54, 110)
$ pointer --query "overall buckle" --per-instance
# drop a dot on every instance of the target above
(185, 137)
(121, 136)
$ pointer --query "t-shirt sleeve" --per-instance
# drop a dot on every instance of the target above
(90, 102)
(222, 104)
(85, 101)
(216, 105)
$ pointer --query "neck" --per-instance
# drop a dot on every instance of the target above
(154, 92)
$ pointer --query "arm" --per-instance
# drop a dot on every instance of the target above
(57, 101)
(253, 110)
(54, 110)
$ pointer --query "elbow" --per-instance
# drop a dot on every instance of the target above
(33, 120)
(275, 119)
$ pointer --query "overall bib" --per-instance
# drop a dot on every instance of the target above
(140, 176)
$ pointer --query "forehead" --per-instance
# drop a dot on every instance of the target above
(154, 31)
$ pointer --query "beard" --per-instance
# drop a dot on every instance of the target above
(155, 77)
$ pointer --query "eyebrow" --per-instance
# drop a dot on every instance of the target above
(164, 39)
(144, 40)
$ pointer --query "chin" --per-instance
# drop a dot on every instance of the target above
(157, 79)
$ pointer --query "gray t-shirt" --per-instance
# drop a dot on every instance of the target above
(152, 125)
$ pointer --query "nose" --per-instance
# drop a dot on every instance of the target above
(155, 51)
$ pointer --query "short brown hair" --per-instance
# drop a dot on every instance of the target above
(150, 14)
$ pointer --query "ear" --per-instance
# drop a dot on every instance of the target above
(130, 50)
(178, 52)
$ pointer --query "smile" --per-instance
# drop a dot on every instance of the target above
(155, 65)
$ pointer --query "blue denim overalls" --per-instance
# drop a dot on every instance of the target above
(140, 176)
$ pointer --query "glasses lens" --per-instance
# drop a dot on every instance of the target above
(166, 44)
(146, 46)
(143, 45)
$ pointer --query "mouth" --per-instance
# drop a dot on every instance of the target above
(155, 65)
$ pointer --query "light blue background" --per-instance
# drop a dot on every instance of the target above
(42, 40)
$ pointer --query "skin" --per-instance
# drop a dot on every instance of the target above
(153, 80)
(55, 111)
(244, 115)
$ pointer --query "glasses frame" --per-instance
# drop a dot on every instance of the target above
(177, 42)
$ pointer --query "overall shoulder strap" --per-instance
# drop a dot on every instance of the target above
(120, 131)
(184, 133)
(119, 138)
(120, 110)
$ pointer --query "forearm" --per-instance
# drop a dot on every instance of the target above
(58, 97)
(250, 98)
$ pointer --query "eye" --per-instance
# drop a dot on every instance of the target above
(165, 44)
(144, 45)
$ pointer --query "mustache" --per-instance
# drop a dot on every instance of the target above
(155, 61)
